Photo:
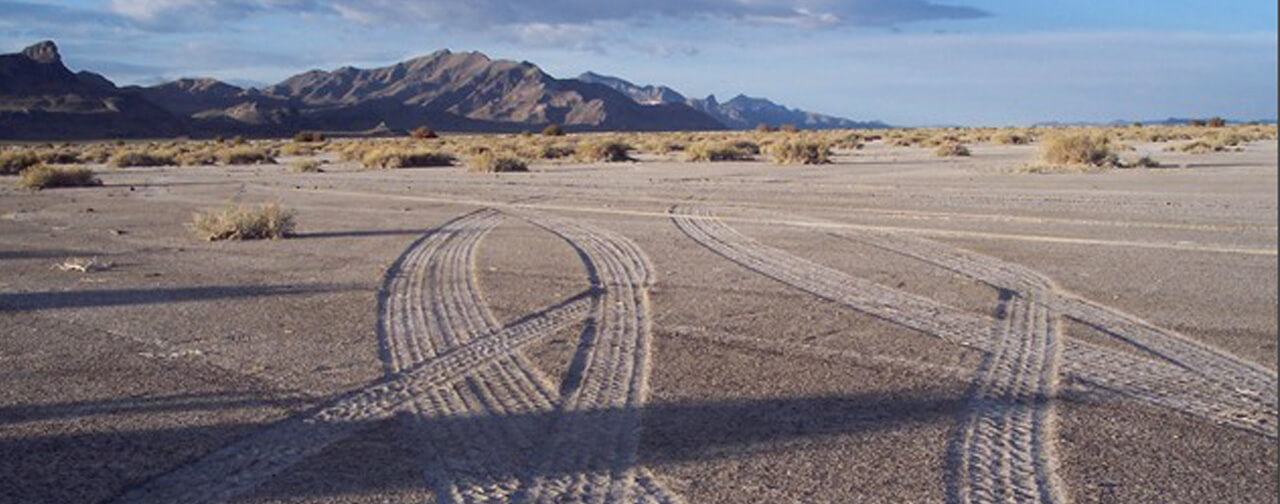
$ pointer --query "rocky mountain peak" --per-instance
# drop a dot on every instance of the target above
(44, 52)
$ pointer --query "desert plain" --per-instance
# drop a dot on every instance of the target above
(890, 327)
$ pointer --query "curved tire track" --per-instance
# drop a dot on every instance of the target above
(1158, 382)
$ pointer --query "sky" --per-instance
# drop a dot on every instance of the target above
(905, 62)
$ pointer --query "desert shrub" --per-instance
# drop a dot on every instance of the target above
(297, 149)
(13, 162)
(800, 152)
(1144, 162)
(1078, 149)
(44, 177)
(1199, 146)
(718, 151)
(788, 128)
(306, 166)
(491, 163)
(389, 158)
(550, 151)
(604, 151)
(59, 156)
(141, 157)
(765, 128)
(1217, 122)
(308, 137)
(423, 133)
(244, 222)
(245, 156)
(553, 130)
(201, 157)
(951, 150)
(1010, 138)
(1199, 123)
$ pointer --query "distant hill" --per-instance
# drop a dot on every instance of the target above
(741, 112)
(41, 99)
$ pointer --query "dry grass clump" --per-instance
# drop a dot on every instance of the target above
(141, 157)
(385, 158)
(552, 151)
(707, 151)
(1005, 137)
(14, 162)
(423, 133)
(952, 150)
(799, 152)
(489, 162)
(553, 130)
(297, 149)
(306, 166)
(308, 137)
(45, 177)
(245, 155)
(1078, 149)
(244, 222)
(606, 151)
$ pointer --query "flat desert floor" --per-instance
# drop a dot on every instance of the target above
(893, 327)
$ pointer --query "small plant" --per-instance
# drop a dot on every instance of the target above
(423, 133)
(1079, 150)
(44, 177)
(951, 150)
(800, 152)
(13, 162)
(1010, 138)
(244, 222)
(297, 149)
(202, 157)
(306, 166)
(139, 157)
(553, 130)
(555, 151)
(604, 151)
(308, 137)
(245, 156)
(1217, 122)
(765, 128)
(724, 151)
(490, 163)
(788, 128)
(1144, 162)
(390, 158)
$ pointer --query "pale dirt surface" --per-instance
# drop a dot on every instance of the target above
(758, 391)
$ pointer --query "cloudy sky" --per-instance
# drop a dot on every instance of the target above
(907, 62)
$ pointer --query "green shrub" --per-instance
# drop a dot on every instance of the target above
(243, 222)
(44, 177)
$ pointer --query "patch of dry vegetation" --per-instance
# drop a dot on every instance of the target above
(952, 150)
(604, 151)
(306, 166)
(13, 162)
(708, 151)
(1076, 151)
(799, 152)
(386, 158)
(244, 222)
(488, 162)
(141, 158)
(46, 177)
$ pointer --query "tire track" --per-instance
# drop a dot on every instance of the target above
(590, 453)
(243, 465)
(1253, 382)
(1162, 383)
(1004, 448)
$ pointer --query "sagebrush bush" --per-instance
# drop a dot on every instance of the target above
(423, 133)
(554, 130)
(45, 177)
(1078, 149)
(306, 166)
(719, 151)
(245, 155)
(308, 137)
(141, 157)
(489, 162)
(607, 151)
(244, 222)
(951, 150)
(13, 162)
(551, 151)
(297, 149)
(799, 152)
(385, 158)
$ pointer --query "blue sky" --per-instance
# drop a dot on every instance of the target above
(907, 62)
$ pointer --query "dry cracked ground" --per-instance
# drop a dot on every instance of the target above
(889, 328)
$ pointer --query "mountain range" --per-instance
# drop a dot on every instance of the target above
(741, 112)
(40, 98)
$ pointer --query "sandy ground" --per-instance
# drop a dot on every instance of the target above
(758, 361)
